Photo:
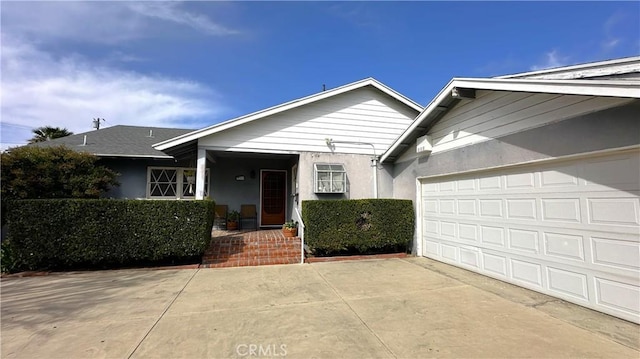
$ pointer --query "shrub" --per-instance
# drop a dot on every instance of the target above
(51, 172)
(361, 226)
(71, 233)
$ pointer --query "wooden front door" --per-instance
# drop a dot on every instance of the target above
(273, 203)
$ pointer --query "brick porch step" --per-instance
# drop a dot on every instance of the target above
(238, 249)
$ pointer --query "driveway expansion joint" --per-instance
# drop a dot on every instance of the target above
(162, 314)
(357, 315)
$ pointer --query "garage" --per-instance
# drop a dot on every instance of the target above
(566, 227)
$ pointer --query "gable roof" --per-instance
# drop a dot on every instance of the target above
(589, 70)
(119, 141)
(194, 135)
(445, 100)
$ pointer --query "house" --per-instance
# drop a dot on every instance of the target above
(128, 150)
(533, 179)
(324, 146)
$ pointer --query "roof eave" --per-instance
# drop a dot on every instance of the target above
(606, 88)
(579, 67)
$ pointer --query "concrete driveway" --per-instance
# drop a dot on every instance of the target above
(395, 308)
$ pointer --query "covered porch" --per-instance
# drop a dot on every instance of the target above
(266, 182)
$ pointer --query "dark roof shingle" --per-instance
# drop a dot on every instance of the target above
(119, 141)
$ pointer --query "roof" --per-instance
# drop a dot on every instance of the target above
(445, 101)
(581, 71)
(193, 136)
(119, 141)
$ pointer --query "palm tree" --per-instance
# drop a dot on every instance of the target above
(47, 133)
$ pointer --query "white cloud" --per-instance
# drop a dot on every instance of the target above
(170, 11)
(101, 22)
(552, 59)
(611, 29)
(39, 89)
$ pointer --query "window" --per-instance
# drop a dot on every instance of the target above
(173, 183)
(330, 178)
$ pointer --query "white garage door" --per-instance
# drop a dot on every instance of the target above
(569, 229)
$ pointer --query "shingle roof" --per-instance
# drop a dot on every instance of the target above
(119, 141)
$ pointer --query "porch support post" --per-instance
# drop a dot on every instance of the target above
(201, 170)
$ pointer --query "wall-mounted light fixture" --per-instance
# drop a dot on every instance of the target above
(240, 178)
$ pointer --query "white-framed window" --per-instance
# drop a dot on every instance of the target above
(329, 178)
(173, 183)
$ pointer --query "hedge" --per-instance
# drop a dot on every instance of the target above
(363, 226)
(89, 233)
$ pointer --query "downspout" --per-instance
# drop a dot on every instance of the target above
(374, 160)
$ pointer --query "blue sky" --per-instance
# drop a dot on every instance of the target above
(193, 64)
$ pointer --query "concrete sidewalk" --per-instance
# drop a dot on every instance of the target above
(395, 308)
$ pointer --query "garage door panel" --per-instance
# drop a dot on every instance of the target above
(616, 253)
(492, 236)
(561, 176)
(522, 208)
(525, 271)
(562, 228)
(571, 283)
(564, 246)
(470, 257)
(468, 232)
(616, 211)
(617, 295)
(561, 210)
(467, 207)
(524, 240)
(494, 264)
(520, 180)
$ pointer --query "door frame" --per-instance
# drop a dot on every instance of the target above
(286, 197)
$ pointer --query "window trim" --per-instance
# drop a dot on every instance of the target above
(316, 187)
(179, 182)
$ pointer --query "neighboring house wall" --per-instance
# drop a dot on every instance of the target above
(611, 128)
(363, 115)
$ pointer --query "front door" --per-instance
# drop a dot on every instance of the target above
(273, 192)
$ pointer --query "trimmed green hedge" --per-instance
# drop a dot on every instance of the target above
(88, 233)
(362, 226)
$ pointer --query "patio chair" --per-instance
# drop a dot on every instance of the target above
(248, 213)
(220, 216)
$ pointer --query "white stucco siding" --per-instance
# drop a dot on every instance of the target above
(495, 114)
(363, 115)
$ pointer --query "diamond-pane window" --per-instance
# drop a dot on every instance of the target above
(174, 183)
(163, 182)
(330, 178)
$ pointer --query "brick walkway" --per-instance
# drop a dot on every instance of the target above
(250, 248)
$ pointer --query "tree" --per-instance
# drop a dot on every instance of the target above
(52, 172)
(47, 133)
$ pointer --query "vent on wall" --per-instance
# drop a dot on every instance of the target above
(423, 145)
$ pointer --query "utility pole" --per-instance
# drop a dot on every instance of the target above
(96, 122)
